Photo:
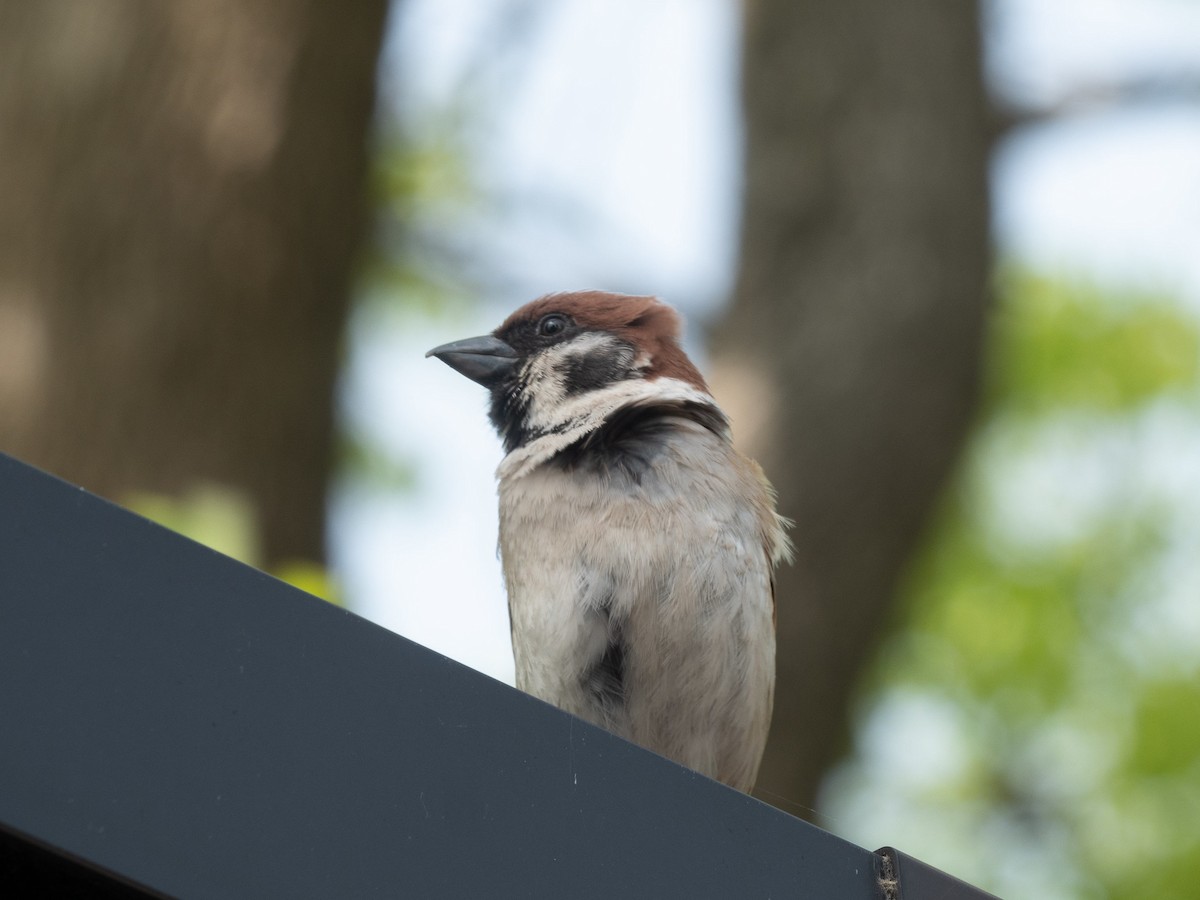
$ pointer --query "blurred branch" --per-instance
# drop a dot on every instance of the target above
(1139, 91)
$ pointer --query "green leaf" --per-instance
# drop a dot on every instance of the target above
(1065, 346)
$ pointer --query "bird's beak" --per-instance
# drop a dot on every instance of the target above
(486, 360)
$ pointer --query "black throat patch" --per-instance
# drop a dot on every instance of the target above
(626, 447)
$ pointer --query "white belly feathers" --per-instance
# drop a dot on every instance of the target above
(664, 575)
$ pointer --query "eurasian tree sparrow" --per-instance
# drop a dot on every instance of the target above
(638, 546)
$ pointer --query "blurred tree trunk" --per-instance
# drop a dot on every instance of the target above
(182, 193)
(851, 357)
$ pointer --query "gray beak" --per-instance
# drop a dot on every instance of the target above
(486, 360)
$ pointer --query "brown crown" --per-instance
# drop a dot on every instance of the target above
(645, 322)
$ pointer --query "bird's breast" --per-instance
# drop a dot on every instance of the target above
(669, 544)
(636, 515)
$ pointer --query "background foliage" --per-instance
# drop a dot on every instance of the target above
(1044, 661)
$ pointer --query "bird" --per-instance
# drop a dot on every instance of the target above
(638, 546)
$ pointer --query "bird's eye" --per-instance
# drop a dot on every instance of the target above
(551, 325)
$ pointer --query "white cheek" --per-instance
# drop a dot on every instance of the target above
(545, 390)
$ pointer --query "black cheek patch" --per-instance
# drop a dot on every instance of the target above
(594, 370)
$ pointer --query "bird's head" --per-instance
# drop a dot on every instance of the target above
(559, 366)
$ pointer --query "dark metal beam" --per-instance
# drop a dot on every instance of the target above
(179, 724)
